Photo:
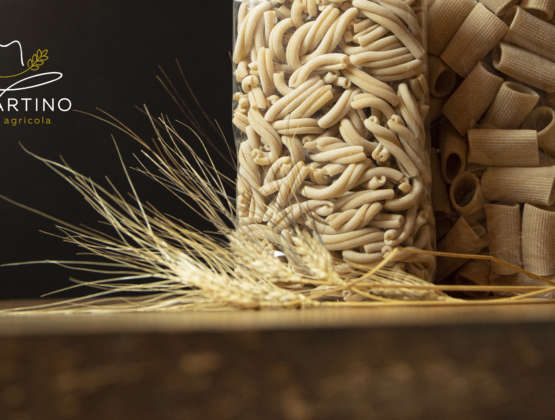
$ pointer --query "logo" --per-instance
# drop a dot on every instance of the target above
(17, 76)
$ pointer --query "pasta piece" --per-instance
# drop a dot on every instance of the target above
(531, 33)
(323, 62)
(544, 9)
(504, 228)
(276, 39)
(295, 127)
(443, 80)
(496, 147)
(466, 196)
(388, 20)
(440, 196)
(538, 244)
(499, 7)
(453, 149)
(371, 85)
(472, 98)
(511, 106)
(341, 108)
(246, 35)
(355, 239)
(542, 119)
(477, 272)
(525, 66)
(444, 18)
(480, 33)
(520, 185)
(462, 238)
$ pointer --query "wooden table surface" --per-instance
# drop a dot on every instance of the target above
(478, 362)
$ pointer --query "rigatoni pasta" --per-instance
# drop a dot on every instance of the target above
(538, 240)
(503, 112)
(511, 106)
(480, 33)
(331, 102)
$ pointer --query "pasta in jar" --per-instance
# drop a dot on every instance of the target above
(330, 107)
(496, 132)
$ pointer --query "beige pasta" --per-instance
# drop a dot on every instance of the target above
(504, 229)
(472, 98)
(531, 33)
(330, 114)
(444, 18)
(499, 7)
(453, 149)
(463, 239)
(542, 119)
(544, 9)
(538, 240)
(520, 185)
(466, 196)
(525, 66)
(477, 272)
(443, 80)
(511, 106)
(496, 147)
(480, 33)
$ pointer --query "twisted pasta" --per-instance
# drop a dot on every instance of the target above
(330, 120)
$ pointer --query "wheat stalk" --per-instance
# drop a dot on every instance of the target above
(176, 267)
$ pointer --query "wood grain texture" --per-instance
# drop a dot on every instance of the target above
(455, 363)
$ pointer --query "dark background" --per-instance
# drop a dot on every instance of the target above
(109, 52)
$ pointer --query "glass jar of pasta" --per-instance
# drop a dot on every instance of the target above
(330, 112)
(492, 80)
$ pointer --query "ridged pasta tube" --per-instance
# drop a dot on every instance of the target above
(512, 104)
(499, 7)
(453, 149)
(443, 80)
(520, 185)
(525, 66)
(472, 98)
(480, 33)
(504, 229)
(531, 33)
(462, 238)
(544, 9)
(496, 147)
(444, 18)
(466, 196)
(538, 240)
(542, 119)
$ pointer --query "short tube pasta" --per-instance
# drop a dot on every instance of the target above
(525, 66)
(520, 185)
(442, 79)
(453, 149)
(499, 7)
(466, 196)
(504, 229)
(495, 147)
(512, 104)
(542, 119)
(480, 33)
(444, 18)
(472, 98)
(538, 244)
(462, 238)
(531, 33)
(544, 9)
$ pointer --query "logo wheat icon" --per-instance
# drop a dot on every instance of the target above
(34, 63)
(37, 60)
